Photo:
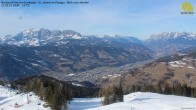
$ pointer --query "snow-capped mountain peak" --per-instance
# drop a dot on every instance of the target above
(38, 37)
(172, 35)
(171, 42)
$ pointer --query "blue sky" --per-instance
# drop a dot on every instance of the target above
(138, 18)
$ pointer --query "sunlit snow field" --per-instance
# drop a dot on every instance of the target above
(133, 101)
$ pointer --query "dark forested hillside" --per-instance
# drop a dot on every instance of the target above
(16, 62)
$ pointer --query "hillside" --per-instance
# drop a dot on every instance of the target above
(176, 69)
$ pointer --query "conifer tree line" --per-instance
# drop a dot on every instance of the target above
(178, 89)
(112, 95)
(1, 82)
(115, 94)
(57, 94)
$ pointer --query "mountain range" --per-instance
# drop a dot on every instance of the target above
(166, 43)
(41, 37)
(41, 51)
(61, 53)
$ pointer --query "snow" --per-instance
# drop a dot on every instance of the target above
(19, 60)
(76, 37)
(136, 101)
(181, 63)
(71, 74)
(61, 37)
(190, 67)
(33, 42)
(177, 64)
(76, 84)
(56, 55)
(13, 55)
(39, 37)
(34, 64)
(84, 103)
(133, 101)
(104, 77)
(109, 75)
(105, 36)
(173, 35)
(8, 98)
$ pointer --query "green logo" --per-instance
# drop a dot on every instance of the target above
(187, 8)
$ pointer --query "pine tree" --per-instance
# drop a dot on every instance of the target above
(106, 97)
(137, 88)
(184, 86)
(133, 88)
(178, 89)
(167, 89)
(193, 94)
(120, 94)
(159, 89)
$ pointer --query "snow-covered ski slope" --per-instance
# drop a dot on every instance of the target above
(8, 99)
(133, 101)
(138, 101)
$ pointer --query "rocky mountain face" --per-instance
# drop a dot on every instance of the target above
(41, 37)
(170, 42)
(39, 51)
